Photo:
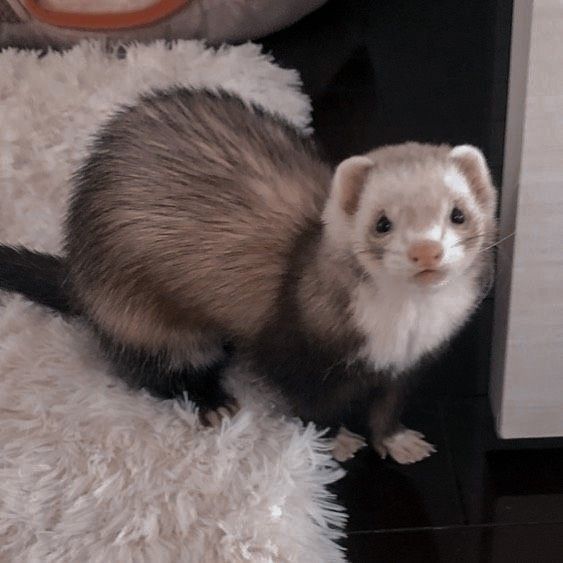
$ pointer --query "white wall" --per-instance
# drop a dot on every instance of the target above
(527, 385)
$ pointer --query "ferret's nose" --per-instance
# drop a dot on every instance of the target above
(426, 254)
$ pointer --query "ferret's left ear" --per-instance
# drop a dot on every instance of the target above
(348, 182)
(472, 164)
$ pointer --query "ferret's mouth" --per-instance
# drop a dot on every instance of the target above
(430, 277)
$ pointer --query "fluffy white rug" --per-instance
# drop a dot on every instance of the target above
(90, 471)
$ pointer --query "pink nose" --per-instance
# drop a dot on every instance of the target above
(426, 254)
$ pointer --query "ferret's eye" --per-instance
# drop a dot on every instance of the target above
(383, 225)
(457, 216)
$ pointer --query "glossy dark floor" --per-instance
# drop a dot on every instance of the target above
(388, 71)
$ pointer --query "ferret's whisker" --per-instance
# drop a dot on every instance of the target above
(498, 242)
(359, 252)
(468, 239)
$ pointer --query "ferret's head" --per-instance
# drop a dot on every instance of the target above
(417, 213)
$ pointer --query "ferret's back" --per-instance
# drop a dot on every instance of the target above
(195, 199)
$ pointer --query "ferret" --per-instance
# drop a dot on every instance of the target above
(202, 228)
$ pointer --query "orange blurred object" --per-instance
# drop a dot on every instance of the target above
(104, 20)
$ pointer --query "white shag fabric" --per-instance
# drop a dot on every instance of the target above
(89, 470)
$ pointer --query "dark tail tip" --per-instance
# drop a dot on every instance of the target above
(38, 276)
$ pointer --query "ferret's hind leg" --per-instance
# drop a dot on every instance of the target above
(200, 380)
(204, 387)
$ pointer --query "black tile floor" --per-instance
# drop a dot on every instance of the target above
(385, 71)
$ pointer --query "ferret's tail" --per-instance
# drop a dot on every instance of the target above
(38, 276)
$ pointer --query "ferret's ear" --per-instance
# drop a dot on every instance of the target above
(470, 161)
(349, 180)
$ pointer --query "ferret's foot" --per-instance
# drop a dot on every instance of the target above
(346, 444)
(213, 416)
(405, 446)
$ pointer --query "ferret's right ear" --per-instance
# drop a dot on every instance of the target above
(349, 180)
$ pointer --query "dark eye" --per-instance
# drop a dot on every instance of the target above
(383, 225)
(457, 216)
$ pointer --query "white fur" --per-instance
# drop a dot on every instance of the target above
(456, 182)
(333, 215)
(471, 151)
(434, 232)
(90, 471)
(403, 322)
(453, 251)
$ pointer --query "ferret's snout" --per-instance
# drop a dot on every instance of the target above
(426, 254)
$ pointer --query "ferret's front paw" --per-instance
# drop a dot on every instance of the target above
(405, 446)
(346, 444)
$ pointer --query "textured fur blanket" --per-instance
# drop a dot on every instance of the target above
(89, 470)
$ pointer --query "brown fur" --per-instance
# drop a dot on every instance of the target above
(185, 217)
(200, 226)
(198, 220)
(184, 204)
